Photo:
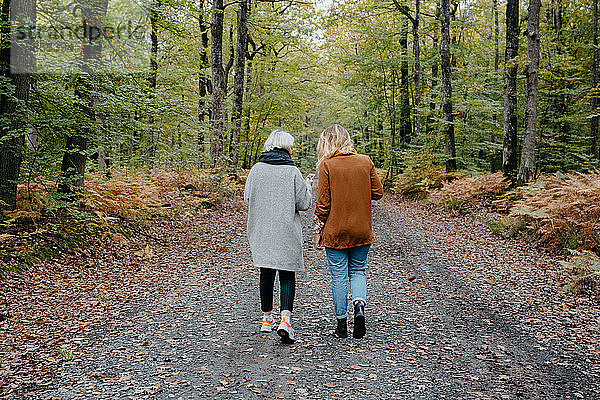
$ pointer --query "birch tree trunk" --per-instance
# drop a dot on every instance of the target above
(509, 147)
(527, 167)
(450, 148)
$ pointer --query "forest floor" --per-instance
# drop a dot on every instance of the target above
(453, 312)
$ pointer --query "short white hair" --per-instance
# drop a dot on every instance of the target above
(279, 139)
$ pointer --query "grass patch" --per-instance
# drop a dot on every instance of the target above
(496, 226)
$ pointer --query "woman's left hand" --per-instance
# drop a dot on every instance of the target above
(318, 241)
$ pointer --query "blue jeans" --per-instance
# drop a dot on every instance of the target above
(347, 264)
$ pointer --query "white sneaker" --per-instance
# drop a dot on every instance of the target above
(267, 323)
(286, 332)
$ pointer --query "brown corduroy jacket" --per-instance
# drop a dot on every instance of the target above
(347, 184)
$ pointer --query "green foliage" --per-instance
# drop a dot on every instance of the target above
(518, 227)
(496, 226)
(305, 71)
(581, 262)
(571, 240)
(457, 205)
(302, 79)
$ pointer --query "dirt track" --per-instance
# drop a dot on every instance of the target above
(453, 312)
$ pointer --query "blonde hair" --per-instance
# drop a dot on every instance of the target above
(279, 139)
(334, 139)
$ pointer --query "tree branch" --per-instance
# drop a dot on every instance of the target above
(404, 10)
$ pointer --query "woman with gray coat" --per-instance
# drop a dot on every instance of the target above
(275, 193)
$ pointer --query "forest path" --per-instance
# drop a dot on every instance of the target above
(453, 312)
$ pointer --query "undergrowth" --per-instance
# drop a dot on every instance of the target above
(564, 211)
(419, 183)
(586, 266)
(462, 193)
(560, 212)
(45, 225)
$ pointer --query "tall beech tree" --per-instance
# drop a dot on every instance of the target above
(204, 87)
(218, 83)
(226, 71)
(152, 77)
(417, 69)
(496, 66)
(18, 13)
(435, 67)
(595, 89)
(509, 147)
(238, 85)
(75, 156)
(415, 21)
(449, 147)
(405, 123)
(526, 169)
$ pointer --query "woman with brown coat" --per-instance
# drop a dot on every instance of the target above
(343, 221)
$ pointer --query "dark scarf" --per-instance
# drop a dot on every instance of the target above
(276, 156)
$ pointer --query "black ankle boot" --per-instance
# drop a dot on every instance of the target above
(342, 328)
(359, 320)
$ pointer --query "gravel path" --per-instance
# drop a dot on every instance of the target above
(454, 312)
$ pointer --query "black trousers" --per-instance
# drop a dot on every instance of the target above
(287, 284)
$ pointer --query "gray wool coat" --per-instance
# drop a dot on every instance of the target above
(275, 194)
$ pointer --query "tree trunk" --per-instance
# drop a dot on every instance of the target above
(526, 170)
(247, 111)
(405, 123)
(496, 66)
(392, 115)
(154, 43)
(417, 70)
(509, 150)
(559, 92)
(32, 139)
(434, 71)
(11, 142)
(450, 148)
(103, 160)
(238, 84)
(152, 78)
(226, 72)
(405, 128)
(203, 80)
(75, 157)
(496, 37)
(218, 82)
(595, 89)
